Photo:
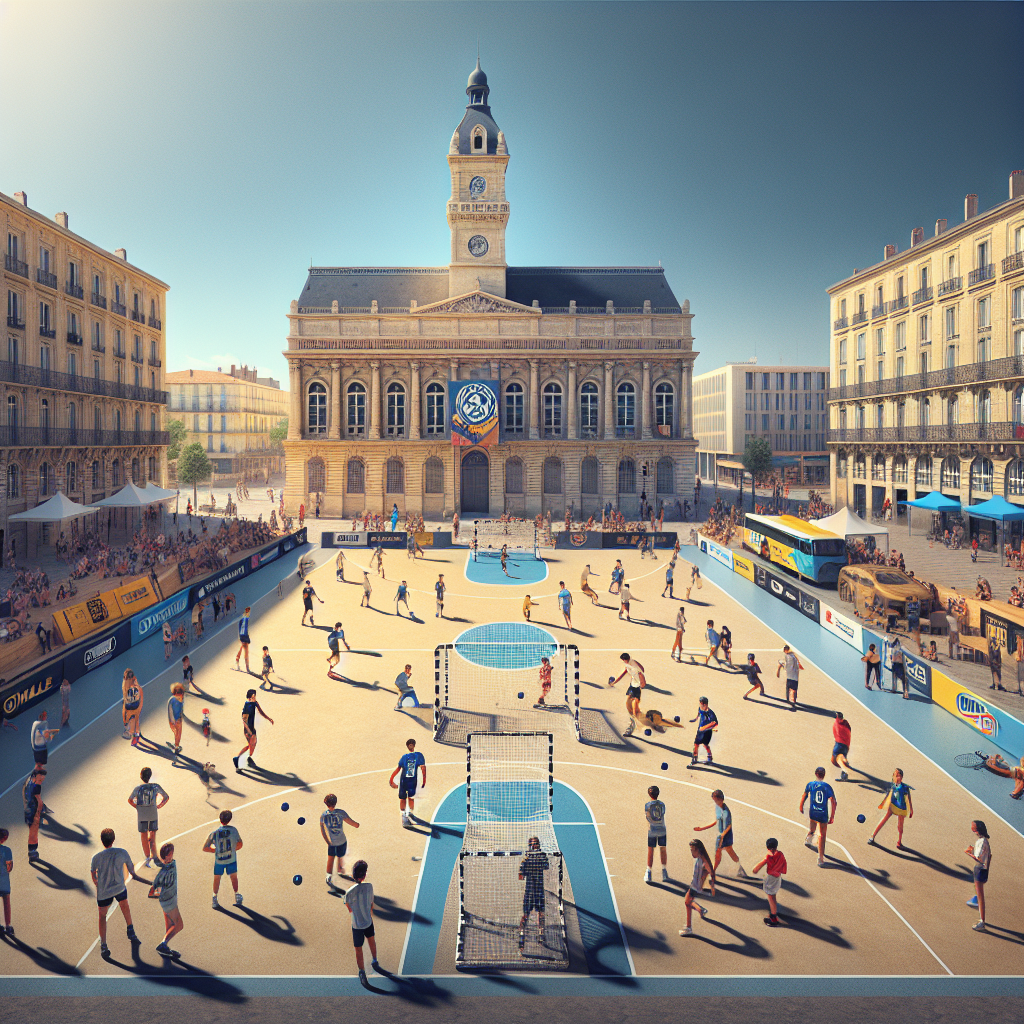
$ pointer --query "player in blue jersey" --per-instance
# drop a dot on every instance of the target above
(439, 588)
(334, 640)
(402, 597)
(406, 786)
(224, 843)
(565, 603)
(820, 813)
(707, 724)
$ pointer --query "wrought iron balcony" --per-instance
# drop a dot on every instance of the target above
(36, 376)
(16, 321)
(98, 300)
(954, 284)
(73, 437)
(98, 346)
(74, 338)
(922, 295)
(880, 310)
(14, 265)
(44, 277)
(119, 353)
(117, 307)
(900, 302)
(838, 325)
(74, 290)
(1013, 262)
(136, 315)
(985, 273)
(137, 357)
(46, 331)
(153, 361)
(860, 317)
(154, 322)
(928, 433)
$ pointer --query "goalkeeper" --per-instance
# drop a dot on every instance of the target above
(531, 870)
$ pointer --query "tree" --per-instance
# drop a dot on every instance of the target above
(178, 432)
(193, 468)
(278, 434)
(758, 462)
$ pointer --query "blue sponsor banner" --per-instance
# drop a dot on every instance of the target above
(611, 539)
(385, 539)
(232, 574)
(97, 650)
(918, 672)
(34, 687)
(153, 618)
(473, 411)
(294, 540)
(268, 554)
(720, 554)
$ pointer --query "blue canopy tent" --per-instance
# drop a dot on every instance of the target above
(999, 509)
(934, 502)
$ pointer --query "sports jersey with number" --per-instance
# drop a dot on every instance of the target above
(243, 626)
(146, 797)
(439, 590)
(410, 762)
(223, 841)
(132, 694)
(705, 718)
(166, 883)
(334, 824)
(820, 793)
(654, 810)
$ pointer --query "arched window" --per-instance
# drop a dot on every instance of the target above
(552, 413)
(666, 476)
(985, 407)
(625, 413)
(664, 410)
(588, 410)
(316, 476)
(44, 478)
(71, 477)
(355, 404)
(552, 475)
(841, 464)
(923, 475)
(590, 475)
(396, 413)
(514, 411)
(899, 469)
(627, 476)
(115, 474)
(981, 474)
(1015, 478)
(859, 465)
(395, 476)
(951, 473)
(356, 477)
(316, 415)
(952, 410)
(13, 481)
(435, 412)
(433, 475)
(878, 467)
(72, 416)
(514, 476)
(96, 477)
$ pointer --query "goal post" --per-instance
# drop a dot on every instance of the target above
(490, 535)
(470, 697)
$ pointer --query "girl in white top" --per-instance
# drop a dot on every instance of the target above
(981, 854)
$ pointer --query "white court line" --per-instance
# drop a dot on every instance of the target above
(788, 821)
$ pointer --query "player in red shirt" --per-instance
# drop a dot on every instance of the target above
(775, 860)
(841, 730)
(545, 680)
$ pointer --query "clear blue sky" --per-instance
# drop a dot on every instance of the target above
(760, 152)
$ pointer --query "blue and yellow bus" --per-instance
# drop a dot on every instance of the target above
(797, 545)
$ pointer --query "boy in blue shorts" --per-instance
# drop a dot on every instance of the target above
(332, 828)
(407, 765)
(657, 834)
(669, 577)
(724, 840)
(224, 843)
(402, 597)
(820, 813)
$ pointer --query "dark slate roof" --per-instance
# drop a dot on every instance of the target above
(479, 114)
(551, 286)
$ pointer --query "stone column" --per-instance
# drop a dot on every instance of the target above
(645, 402)
(295, 400)
(686, 401)
(453, 369)
(414, 424)
(335, 401)
(534, 400)
(571, 403)
(609, 402)
(375, 400)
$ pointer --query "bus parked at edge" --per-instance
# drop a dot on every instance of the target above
(796, 545)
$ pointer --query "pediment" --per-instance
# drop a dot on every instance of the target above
(476, 302)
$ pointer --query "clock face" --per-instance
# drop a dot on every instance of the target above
(478, 245)
(477, 186)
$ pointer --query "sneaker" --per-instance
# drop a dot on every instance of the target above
(362, 978)
(135, 741)
(330, 882)
(216, 904)
(164, 950)
(685, 931)
(104, 949)
(664, 874)
(238, 899)
(311, 622)
(973, 902)
(693, 760)
(647, 875)
(376, 966)
(771, 923)
(843, 776)
(10, 931)
(131, 934)
(703, 912)
(821, 863)
(234, 761)
(406, 821)
(809, 841)
(710, 760)
(980, 926)
(33, 855)
(871, 840)
(741, 873)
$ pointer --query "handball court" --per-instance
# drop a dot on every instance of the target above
(874, 922)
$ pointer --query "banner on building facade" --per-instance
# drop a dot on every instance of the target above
(473, 411)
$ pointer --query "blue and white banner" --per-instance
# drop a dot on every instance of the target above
(473, 411)
(720, 554)
(153, 618)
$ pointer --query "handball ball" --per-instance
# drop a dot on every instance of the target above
(297, 879)
(611, 679)
(302, 821)
(677, 718)
(284, 807)
(860, 818)
(647, 732)
(664, 766)
(520, 694)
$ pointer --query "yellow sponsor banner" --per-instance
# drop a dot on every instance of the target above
(134, 596)
(744, 566)
(963, 703)
(89, 615)
(425, 540)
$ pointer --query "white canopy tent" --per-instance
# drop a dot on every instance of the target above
(848, 524)
(55, 510)
(158, 493)
(129, 496)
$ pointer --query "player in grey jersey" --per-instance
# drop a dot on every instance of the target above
(147, 799)
(332, 828)
(165, 889)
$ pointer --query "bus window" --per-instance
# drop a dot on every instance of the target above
(830, 547)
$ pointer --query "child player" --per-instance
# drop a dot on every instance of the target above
(775, 862)
(332, 828)
(545, 681)
(527, 605)
(753, 671)
(407, 765)
(268, 667)
(531, 871)
(657, 834)
(334, 640)
(359, 901)
(165, 889)
(637, 682)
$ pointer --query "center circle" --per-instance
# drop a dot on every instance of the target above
(506, 645)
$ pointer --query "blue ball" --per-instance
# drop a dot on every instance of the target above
(520, 694)
(297, 879)
(302, 821)
(664, 766)
(677, 718)
(284, 807)
(860, 818)
(647, 732)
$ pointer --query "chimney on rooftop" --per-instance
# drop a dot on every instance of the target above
(191, 373)
(940, 226)
(916, 237)
(970, 206)
(21, 197)
(121, 254)
(61, 218)
(888, 252)
(1016, 185)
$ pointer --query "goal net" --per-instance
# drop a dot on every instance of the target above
(494, 686)
(490, 535)
(511, 872)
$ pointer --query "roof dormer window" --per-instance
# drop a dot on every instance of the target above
(478, 139)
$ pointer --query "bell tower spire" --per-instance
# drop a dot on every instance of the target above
(477, 208)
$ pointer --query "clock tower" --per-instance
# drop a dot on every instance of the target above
(477, 209)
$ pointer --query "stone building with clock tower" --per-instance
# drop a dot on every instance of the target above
(594, 368)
